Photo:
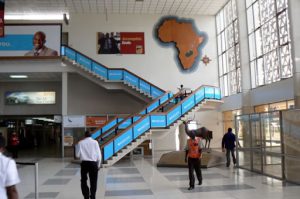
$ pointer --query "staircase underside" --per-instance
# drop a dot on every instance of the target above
(113, 86)
(208, 104)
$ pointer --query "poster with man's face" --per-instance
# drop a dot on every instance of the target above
(31, 40)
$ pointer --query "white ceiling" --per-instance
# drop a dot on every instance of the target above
(165, 7)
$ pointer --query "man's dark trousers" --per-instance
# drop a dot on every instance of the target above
(194, 164)
(89, 168)
(228, 152)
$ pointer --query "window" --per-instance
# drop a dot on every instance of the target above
(228, 49)
(228, 119)
(274, 106)
(269, 41)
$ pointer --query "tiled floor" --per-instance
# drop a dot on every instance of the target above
(141, 179)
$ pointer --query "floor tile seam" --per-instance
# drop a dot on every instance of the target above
(127, 189)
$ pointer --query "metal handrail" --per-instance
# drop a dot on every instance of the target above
(36, 176)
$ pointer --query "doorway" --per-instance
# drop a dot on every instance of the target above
(260, 137)
(39, 136)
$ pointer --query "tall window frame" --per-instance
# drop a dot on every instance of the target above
(228, 49)
(269, 41)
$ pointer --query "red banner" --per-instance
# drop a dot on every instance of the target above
(96, 121)
(1, 18)
(132, 43)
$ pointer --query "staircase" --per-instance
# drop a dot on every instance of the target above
(130, 147)
(137, 129)
(208, 104)
(127, 140)
(147, 135)
(112, 79)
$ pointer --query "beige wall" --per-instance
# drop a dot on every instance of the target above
(30, 109)
(86, 97)
(158, 64)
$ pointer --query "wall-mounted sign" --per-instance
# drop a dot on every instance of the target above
(17, 98)
(74, 121)
(31, 40)
(95, 121)
(120, 43)
(68, 140)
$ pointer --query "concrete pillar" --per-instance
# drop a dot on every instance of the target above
(64, 105)
(244, 56)
(182, 137)
(294, 16)
(64, 93)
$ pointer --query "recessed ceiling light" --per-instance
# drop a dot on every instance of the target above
(18, 76)
(45, 16)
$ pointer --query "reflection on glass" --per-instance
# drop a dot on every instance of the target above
(272, 165)
(260, 136)
(261, 108)
(244, 159)
(291, 133)
(255, 129)
(257, 161)
(290, 104)
(243, 131)
(271, 132)
(291, 138)
(292, 168)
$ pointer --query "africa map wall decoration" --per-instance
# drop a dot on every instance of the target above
(183, 35)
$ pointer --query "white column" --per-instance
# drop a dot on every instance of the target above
(64, 93)
(244, 56)
(294, 16)
(64, 105)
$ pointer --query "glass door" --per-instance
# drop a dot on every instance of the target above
(256, 148)
(271, 144)
(244, 156)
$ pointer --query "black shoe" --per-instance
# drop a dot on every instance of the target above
(190, 188)
(200, 183)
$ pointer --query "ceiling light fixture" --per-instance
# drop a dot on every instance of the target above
(59, 16)
(18, 76)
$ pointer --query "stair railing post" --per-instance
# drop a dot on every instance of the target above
(36, 180)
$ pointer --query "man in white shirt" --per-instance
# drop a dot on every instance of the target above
(8, 175)
(88, 151)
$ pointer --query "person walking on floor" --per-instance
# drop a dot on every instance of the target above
(228, 143)
(193, 152)
(14, 144)
(9, 176)
(89, 152)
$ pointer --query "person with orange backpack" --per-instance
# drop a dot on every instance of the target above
(193, 153)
